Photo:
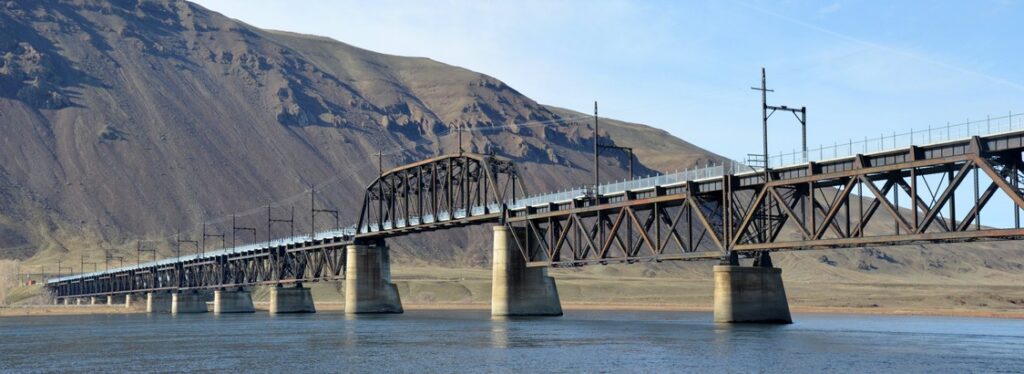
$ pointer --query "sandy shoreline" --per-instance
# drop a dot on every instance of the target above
(68, 310)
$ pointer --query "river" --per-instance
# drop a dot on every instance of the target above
(470, 341)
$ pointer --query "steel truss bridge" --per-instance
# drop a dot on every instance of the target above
(851, 201)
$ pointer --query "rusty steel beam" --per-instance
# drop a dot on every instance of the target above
(693, 220)
(712, 218)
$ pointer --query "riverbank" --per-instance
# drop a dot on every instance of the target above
(569, 307)
(624, 288)
(70, 310)
(64, 310)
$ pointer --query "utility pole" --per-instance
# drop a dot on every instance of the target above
(208, 235)
(139, 250)
(179, 241)
(764, 121)
(276, 255)
(314, 211)
(380, 191)
(380, 163)
(460, 130)
(597, 153)
(109, 257)
(765, 230)
(271, 220)
(800, 114)
(235, 228)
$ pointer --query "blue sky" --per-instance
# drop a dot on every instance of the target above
(862, 68)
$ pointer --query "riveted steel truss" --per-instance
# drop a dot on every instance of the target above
(312, 261)
(931, 194)
(438, 192)
(942, 199)
(849, 202)
(658, 224)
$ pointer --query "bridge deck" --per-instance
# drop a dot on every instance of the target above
(726, 229)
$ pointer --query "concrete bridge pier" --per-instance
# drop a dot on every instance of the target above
(517, 290)
(128, 299)
(92, 300)
(183, 302)
(237, 301)
(295, 299)
(368, 287)
(115, 299)
(753, 294)
(158, 302)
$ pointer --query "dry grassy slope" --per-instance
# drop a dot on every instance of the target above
(658, 149)
(134, 119)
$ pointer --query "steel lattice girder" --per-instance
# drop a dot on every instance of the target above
(709, 218)
(320, 260)
(704, 219)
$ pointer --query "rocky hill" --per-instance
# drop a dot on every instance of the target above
(129, 119)
(135, 119)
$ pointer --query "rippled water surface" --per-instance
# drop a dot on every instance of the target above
(470, 341)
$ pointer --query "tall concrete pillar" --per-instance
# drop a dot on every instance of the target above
(295, 299)
(188, 302)
(368, 287)
(127, 300)
(67, 301)
(517, 290)
(238, 301)
(92, 300)
(158, 302)
(110, 300)
(750, 294)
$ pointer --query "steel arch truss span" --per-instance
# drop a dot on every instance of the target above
(439, 192)
(936, 193)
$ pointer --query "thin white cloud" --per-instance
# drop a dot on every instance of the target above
(831, 8)
(902, 52)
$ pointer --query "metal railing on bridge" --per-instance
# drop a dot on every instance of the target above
(885, 142)
(869, 145)
(350, 231)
